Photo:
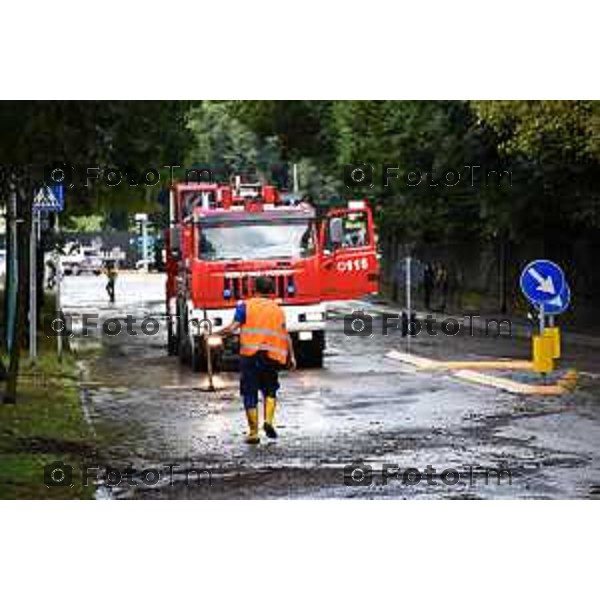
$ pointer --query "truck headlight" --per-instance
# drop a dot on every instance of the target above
(315, 316)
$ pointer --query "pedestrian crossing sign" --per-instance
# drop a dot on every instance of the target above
(49, 199)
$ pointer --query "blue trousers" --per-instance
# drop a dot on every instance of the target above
(258, 373)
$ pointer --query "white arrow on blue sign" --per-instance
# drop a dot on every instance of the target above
(542, 280)
(559, 303)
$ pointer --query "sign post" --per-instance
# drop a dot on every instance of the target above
(59, 275)
(543, 284)
(410, 271)
(542, 281)
(35, 217)
(554, 307)
(408, 301)
(48, 199)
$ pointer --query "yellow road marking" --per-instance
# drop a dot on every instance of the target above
(417, 361)
(508, 364)
(429, 363)
(502, 383)
(467, 371)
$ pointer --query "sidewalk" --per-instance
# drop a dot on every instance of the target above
(520, 326)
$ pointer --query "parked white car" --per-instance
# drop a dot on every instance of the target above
(82, 261)
(144, 265)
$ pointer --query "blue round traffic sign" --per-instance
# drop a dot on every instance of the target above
(542, 280)
(559, 303)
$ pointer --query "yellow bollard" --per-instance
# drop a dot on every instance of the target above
(543, 350)
(554, 334)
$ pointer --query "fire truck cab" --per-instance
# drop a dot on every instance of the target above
(222, 237)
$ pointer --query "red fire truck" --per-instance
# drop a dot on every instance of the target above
(223, 236)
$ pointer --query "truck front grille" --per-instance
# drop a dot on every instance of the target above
(243, 287)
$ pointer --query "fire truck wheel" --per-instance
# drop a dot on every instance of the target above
(172, 343)
(184, 351)
(314, 358)
(181, 336)
(309, 355)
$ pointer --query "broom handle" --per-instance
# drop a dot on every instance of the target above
(208, 363)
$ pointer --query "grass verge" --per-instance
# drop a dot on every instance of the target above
(46, 425)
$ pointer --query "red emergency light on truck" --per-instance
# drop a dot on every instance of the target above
(222, 237)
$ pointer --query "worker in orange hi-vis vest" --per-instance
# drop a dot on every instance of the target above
(265, 349)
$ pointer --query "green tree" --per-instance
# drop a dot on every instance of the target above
(426, 139)
(37, 134)
(225, 145)
(556, 145)
(301, 126)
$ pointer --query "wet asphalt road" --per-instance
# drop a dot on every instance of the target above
(156, 417)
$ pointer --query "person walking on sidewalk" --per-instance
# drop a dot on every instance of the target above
(265, 349)
(111, 272)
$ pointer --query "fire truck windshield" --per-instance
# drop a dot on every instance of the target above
(257, 241)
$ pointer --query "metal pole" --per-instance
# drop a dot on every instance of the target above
(209, 367)
(542, 319)
(59, 340)
(33, 287)
(145, 245)
(12, 279)
(295, 177)
(408, 300)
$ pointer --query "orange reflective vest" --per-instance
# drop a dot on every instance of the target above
(264, 330)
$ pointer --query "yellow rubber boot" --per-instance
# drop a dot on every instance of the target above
(270, 404)
(252, 416)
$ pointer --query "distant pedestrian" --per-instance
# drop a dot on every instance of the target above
(51, 279)
(111, 273)
(441, 286)
(428, 281)
(444, 281)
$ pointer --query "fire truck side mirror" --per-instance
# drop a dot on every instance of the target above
(336, 231)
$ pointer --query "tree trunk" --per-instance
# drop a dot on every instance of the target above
(6, 193)
(20, 337)
(10, 303)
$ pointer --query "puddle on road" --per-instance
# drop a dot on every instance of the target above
(148, 408)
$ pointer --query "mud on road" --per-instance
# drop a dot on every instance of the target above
(148, 412)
